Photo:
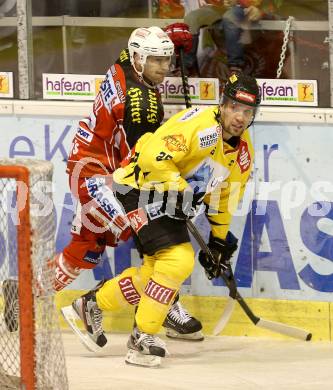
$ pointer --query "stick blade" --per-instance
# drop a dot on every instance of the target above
(229, 308)
(287, 330)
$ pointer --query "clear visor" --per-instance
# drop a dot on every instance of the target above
(248, 112)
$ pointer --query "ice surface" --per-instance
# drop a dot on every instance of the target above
(224, 363)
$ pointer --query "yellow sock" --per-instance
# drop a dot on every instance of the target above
(126, 288)
(172, 266)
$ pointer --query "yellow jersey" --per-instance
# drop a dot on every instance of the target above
(188, 152)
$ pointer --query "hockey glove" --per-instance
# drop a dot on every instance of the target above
(183, 205)
(222, 251)
(180, 35)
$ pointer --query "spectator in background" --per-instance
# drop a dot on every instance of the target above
(230, 17)
(235, 25)
(198, 14)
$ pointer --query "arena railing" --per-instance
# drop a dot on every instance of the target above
(65, 109)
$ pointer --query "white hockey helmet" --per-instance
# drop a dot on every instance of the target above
(152, 41)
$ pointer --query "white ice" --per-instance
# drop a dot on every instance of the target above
(224, 363)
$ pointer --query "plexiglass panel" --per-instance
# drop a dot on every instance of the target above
(245, 34)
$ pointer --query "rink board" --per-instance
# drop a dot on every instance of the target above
(285, 240)
(315, 317)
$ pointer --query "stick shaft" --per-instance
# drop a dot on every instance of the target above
(277, 327)
(184, 79)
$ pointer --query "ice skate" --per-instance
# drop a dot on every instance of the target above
(180, 324)
(145, 349)
(85, 309)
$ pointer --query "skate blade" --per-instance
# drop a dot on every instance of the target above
(138, 359)
(195, 336)
(71, 317)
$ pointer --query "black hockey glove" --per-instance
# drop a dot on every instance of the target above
(183, 205)
(222, 251)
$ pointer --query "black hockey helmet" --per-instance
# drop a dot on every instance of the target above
(243, 89)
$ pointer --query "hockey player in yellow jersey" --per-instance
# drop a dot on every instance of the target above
(201, 158)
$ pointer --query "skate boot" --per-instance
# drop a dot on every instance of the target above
(145, 349)
(11, 304)
(180, 324)
(85, 309)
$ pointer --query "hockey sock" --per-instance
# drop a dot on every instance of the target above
(126, 288)
(172, 266)
(65, 272)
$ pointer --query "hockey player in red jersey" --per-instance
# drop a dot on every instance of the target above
(127, 106)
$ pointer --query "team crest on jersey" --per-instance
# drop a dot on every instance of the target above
(175, 143)
(244, 157)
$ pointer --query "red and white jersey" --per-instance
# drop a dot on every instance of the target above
(123, 111)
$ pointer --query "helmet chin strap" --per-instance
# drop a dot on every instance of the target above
(218, 116)
(148, 84)
(252, 120)
(141, 76)
(218, 119)
(138, 72)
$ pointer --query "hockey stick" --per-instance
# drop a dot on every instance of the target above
(184, 79)
(277, 327)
